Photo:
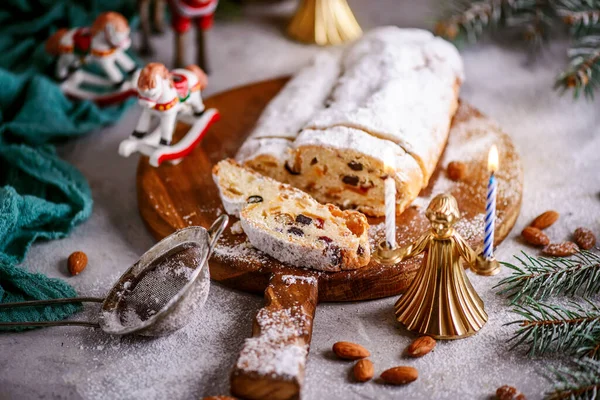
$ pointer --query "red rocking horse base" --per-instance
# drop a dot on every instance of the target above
(149, 144)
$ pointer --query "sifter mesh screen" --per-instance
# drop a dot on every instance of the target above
(153, 288)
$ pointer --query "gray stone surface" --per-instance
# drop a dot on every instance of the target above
(558, 138)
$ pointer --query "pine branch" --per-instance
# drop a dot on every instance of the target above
(579, 15)
(579, 382)
(545, 328)
(535, 17)
(591, 345)
(540, 277)
(468, 20)
(583, 73)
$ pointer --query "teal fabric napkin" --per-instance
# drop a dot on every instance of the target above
(41, 196)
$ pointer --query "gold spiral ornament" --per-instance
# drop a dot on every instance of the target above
(324, 22)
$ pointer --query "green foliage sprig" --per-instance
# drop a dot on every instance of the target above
(582, 381)
(468, 20)
(545, 328)
(551, 328)
(541, 277)
(583, 73)
(580, 15)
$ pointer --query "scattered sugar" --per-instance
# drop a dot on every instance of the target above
(293, 279)
(236, 228)
(241, 252)
(174, 366)
(186, 217)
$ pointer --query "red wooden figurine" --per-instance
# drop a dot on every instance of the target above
(184, 13)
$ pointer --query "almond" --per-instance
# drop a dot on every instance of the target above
(509, 393)
(363, 370)
(584, 238)
(350, 351)
(563, 249)
(400, 375)
(77, 262)
(544, 220)
(535, 236)
(421, 346)
(456, 170)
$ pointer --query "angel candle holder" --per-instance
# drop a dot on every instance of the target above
(324, 22)
(103, 44)
(440, 301)
(170, 96)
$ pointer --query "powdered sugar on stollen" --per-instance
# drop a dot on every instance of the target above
(301, 97)
(274, 148)
(399, 86)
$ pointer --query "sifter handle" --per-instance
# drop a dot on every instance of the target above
(216, 229)
(33, 303)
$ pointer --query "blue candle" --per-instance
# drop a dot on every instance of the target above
(490, 205)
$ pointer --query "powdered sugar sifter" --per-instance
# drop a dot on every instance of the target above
(157, 294)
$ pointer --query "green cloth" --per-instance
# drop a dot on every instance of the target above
(41, 196)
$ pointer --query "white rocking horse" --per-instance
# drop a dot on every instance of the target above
(170, 96)
(103, 44)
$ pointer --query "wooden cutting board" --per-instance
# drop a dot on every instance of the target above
(271, 363)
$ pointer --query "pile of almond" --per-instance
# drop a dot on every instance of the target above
(364, 369)
(534, 235)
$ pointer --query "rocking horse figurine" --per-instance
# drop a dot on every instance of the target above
(171, 96)
(103, 44)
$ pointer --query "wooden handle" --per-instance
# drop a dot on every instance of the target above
(271, 363)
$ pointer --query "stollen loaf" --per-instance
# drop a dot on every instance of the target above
(383, 109)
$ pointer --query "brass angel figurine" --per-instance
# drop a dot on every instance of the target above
(441, 302)
(324, 22)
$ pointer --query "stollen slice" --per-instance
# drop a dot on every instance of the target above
(291, 226)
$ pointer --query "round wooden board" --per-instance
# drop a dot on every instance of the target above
(175, 196)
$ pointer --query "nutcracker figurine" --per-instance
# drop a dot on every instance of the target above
(441, 302)
(103, 44)
(183, 13)
(148, 24)
(170, 96)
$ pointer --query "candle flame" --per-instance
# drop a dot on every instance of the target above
(493, 159)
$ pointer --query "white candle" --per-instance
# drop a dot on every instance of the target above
(390, 212)
(490, 205)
